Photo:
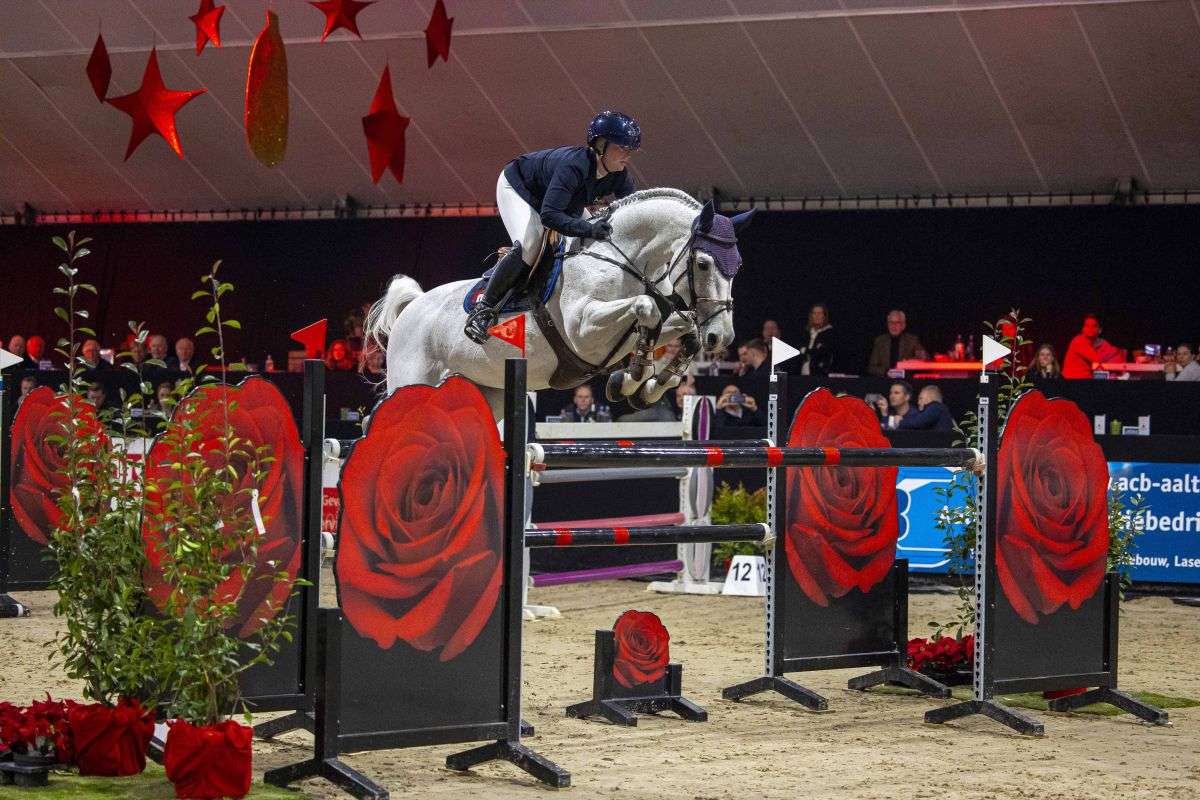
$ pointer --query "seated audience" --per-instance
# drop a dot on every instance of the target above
(1088, 351)
(682, 391)
(35, 352)
(770, 328)
(97, 395)
(755, 358)
(583, 406)
(89, 351)
(16, 346)
(339, 356)
(1185, 368)
(816, 354)
(136, 351)
(157, 345)
(931, 415)
(185, 351)
(28, 384)
(372, 365)
(895, 345)
(899, 405)
(735, 409)
(1046, 364)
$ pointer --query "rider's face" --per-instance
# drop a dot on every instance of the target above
(615, 157)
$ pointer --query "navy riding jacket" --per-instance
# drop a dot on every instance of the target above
(560, 182)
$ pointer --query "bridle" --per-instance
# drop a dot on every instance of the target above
(674, 302)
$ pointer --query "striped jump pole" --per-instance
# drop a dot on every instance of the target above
(674, 534)
(738, 455)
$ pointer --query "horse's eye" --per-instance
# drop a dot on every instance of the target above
(702, 264)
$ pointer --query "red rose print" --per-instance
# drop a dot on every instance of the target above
(36, 478)
(841, 524)
(642, 648)
(259, 415)
(421, 531)
(1052, 498)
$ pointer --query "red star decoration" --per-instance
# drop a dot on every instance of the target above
(153, 107)
(99, 69)
(437, 34)
(340, 14)
(208, 24)
(384, 128)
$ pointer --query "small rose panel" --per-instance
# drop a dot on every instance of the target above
(643, 649)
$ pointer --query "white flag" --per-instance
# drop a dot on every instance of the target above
(781, 351)
(7, 359)
(993, 351)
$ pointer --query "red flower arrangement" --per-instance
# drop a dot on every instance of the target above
(941, 656)
(42, 728)
(111, 741)
(207, 762)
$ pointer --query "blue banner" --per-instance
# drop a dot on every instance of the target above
(1167, 551)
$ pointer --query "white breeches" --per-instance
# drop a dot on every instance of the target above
(521, 220)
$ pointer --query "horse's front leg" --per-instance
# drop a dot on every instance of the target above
(672, 374)
(640, 312)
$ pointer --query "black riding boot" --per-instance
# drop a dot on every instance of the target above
(508, 273)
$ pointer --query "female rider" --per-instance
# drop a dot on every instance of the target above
(548, 190)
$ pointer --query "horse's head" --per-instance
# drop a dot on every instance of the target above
(714, 262)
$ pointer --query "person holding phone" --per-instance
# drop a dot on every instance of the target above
(735, 409)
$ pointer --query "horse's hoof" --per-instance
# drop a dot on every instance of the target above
(612, 388)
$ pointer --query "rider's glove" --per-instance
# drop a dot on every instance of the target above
(600, 230)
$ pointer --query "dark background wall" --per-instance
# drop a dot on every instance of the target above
(950, 269)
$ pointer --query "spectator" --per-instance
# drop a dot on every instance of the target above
(89, 351)
(339, 357)
(35, 352)
(894, 346)
(97, 395)
(735, 409)
(28, 384)
(158, 347)
(755, 358)
(899, 405)
(137, 351)
(770, 329)
(185, 351)
(816, 355)
(16, 346)
(583, 406)
(931, 415)
(372, 365)
(1185, 368)
(682, 391)
(1046, 363)
(1088, 350)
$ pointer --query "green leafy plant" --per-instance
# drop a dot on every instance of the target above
(1126, 521)
(737, 506)
(200, 509)
(97, 544)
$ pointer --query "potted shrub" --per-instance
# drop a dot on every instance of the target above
(202, 529)
(735, 506)
(94, 511)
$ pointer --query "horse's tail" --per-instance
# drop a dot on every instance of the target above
(382, 316)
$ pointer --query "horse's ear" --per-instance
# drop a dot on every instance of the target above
(704, 220)
(741, 221)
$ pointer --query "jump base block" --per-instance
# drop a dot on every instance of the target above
(516, 753)
(989, 708)
(899, 676)
(1114, 697)
(774, 683)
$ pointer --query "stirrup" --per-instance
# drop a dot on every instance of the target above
(482, 317)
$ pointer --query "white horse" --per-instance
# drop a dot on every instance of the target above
(666, 274)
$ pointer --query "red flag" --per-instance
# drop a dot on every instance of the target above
(313, 338)
(512, 331)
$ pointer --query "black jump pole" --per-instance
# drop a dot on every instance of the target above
(543, 455)
(668, 534)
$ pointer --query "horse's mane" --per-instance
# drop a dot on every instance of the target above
(655, 194)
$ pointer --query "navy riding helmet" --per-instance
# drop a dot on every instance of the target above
(620, 129)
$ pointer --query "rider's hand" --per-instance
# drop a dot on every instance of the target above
(600, 230)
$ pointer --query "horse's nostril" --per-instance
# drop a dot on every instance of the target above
(711, 340)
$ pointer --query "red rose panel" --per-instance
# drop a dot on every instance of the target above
(1052, 508)
(841, 522)
(260, 415)
(642, 649)
(36, 478)
(419, 540)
